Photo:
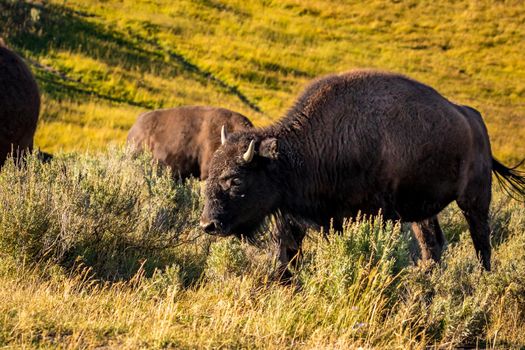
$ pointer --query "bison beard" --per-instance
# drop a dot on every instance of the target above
(361, 141)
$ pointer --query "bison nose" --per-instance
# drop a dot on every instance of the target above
(209, 227)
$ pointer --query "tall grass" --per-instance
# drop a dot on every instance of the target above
(99, 251)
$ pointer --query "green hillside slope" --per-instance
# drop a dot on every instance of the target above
(102, 63)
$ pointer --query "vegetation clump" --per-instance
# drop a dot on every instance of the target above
(100, 250)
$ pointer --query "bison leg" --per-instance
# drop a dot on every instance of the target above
(475, 208)
(430, 238)
(289, 238)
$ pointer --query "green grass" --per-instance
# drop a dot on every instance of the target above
(99, 249)
(128, 56)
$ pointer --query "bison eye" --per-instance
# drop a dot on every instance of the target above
(236, 192)
(235, 187)
(230, 184)
(235, 184)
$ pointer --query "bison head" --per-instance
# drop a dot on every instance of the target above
(241, 189)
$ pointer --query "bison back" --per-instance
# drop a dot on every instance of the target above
(374, 139)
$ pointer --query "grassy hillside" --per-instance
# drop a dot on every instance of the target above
(108, 61)
(99, 249)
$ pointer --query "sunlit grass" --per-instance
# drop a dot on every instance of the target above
(165, 54)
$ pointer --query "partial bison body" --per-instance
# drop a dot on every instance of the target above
(361, 141)
(185, 138)
(19, 105)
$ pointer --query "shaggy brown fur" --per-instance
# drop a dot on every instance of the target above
(360, 141)
(19, 105)
(185, 138)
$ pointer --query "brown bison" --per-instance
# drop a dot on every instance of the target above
(360, 141)
(19, 105)
(185, 138)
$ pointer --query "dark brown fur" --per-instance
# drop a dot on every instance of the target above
(19, 105)
(185, 138)
(360, 141)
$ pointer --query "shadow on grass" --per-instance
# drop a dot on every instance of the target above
(39, 28)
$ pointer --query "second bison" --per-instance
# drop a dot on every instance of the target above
(185, 138)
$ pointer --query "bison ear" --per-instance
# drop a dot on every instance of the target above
(269, 148)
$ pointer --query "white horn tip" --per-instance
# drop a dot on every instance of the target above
(223, 135)
(248, 156)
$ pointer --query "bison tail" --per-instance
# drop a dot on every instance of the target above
(510, 179)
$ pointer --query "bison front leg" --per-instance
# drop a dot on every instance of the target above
(430, 238)
(288, 236)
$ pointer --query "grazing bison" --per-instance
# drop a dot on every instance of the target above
(19, 105)
(360, 141)
(185, 138)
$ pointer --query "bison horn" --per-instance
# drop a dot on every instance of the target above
(224, 136)
(248, 156)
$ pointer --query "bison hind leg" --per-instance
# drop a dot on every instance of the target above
(430, 238)
(475, 208)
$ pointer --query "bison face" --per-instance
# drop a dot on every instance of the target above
(240, 191)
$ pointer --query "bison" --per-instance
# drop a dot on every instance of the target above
(19, 105)
(363, 141)
(185, 138)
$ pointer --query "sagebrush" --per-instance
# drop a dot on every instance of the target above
(101, 250)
